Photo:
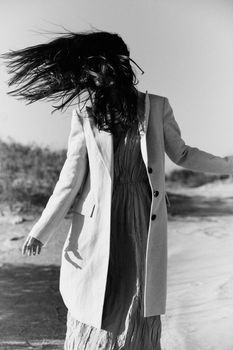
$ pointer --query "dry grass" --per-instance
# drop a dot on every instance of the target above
(28, 175)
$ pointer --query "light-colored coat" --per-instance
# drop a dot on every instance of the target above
(86, 182)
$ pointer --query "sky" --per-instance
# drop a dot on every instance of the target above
(184, 47)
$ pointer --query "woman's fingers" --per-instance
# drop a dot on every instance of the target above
(36, 250)
(32, 246)
(32, 249)
(24, 248)
(29, 250)
(39, 248)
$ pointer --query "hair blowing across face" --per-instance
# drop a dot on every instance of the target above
(60, 70)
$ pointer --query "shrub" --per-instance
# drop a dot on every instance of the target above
(28, 174)
(193, 179)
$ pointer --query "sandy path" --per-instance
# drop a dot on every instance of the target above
(200, 271)
(200, 285)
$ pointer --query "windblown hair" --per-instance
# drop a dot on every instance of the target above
(60, 70)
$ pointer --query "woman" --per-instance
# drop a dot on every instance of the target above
(114, 260)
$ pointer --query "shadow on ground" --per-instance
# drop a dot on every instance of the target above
(31, 306)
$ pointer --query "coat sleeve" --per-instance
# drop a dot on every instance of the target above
(190, 157)
(69, 183)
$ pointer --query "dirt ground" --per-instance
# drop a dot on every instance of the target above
(200, 278)
(32, 314)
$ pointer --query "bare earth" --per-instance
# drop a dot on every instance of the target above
(32, 314)
(200, 277)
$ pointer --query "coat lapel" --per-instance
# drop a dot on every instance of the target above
(143, 132)
(104, 140)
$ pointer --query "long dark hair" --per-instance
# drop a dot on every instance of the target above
(96, 62)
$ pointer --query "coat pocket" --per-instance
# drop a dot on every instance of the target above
(84, 206)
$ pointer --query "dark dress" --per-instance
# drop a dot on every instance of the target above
(123, 323)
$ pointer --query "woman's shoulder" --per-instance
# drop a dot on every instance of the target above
(153, 96)
(155, 104)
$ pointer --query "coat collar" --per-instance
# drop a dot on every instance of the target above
(103, 140)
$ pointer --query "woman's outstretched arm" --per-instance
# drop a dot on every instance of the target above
(69, 183)
(190, 157)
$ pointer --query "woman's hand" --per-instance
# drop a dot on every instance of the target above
(32, 246)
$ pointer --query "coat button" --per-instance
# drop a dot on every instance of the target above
(153, 217)
(155, 193)
(150, 170)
